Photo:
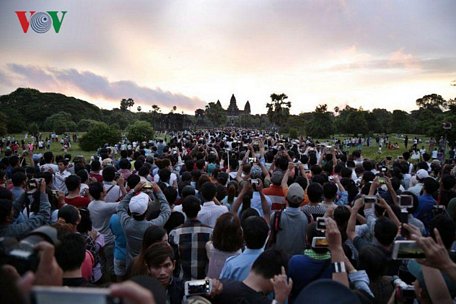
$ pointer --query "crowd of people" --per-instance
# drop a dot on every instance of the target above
(229, 216)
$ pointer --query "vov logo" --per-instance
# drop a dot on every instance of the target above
(40, 22)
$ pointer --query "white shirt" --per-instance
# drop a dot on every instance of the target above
(210, 212)
(59, 180)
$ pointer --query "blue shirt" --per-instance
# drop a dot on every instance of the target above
(424, 210)
(120, 243)
(238, 267)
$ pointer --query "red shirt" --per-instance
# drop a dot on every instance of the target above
(78, 202)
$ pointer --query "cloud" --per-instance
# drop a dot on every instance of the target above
(97, 86)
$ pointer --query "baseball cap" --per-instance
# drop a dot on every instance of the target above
(422, 174)
(295, 194)
(139, 203)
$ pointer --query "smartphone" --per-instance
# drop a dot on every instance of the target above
(197, 287)
(72, 295)
(321, 224)
(252, 159)
(381, 180)
(405, 201)
(254, 181)
(370, 199)
(406, 250)
(319, 242)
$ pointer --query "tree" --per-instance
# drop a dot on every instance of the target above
(155, 108)
(85, 124)
(126, 103)
(356, 123)
(399, 121)
(278, 109)
(140, 131)
(215, 114)
(60, 123)
(98, 135)
(433, 102)
(139, 108)
(321, 125)
(33, 129)
(3, 123)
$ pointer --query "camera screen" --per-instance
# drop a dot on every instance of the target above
(71, 296)
(407, 250)
(370, 199)
(321, 225)
(406, 201)
(198, 288)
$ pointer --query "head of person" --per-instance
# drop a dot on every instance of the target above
(132, 181)
(160, 263)
(138, 206)
(69, 216)
(191, 206)
(295, 195)
(73, 183)
(109, 173)
(329, 191)
(430, 185)
(208, 191)
(446, 227)
(269, 264)
(385, 231)
(227, 234)
(70, 254)
(124, 164)
(62, 164)
(19, 179)
(255, 231)
(95, 166)
(373, 261)
(6, 211)
(315, 192)
(97, 191)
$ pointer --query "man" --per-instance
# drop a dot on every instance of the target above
(61, 175)
(134, 226)
(160, 263)
(275, 192)
(73, 184)
(190, 240)
(210, 212)
(255, 231)
(291, 225)
(114, 191)
(19, 180)
(268, 274)
(18, 230)
(100, 214)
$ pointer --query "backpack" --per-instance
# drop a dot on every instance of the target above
(275, 228)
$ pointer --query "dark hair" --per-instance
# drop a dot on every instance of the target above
(191, 206)
(208, 191)
(124, 163)
(133, 180)
(446, 228)
(227, 234)
(5, 209)
(385, 231)
(83, 175)
(109, 173)
(71, 253)
(330, 190)
(255, 230)
(70, 214)
(95, 165)
(270, 263)
(86, 223)
(158, 253)
(18, 178)
(72, 182)
(165, 175)
(187, 190)
(373, 261)
(95, 190)
(153, 234)
(48, 157)
(314, 192)
(175, 220)
(430, 185)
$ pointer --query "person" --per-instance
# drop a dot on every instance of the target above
(19, 180)
(255, 231)
(100, 214)
(114, 190)
(160, 263)
(135, 224)
(8, 209)
(268, 274)
(210, 212)
(226, 242)
(60, 175)
(275, 192)
(314, 209)
(289, 227)
(427, 201)
(189, 241)
(74, 197)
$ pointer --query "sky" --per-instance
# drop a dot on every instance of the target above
(369, 54)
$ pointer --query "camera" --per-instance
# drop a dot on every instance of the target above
(321, 224)
(147, 186)
(198, 287)
(406, 250)
(74, 295)
(252, 159)
(33, 184)
(22, 255)
(319, 242)
(254, 181)
(372, 199)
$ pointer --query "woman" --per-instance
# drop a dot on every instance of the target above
(226, 241)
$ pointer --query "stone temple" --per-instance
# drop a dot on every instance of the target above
(233, 110)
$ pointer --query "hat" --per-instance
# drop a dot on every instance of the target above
(277, 177)
(422, 174)
(295, 194)
(139, 203)
(327, 291)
